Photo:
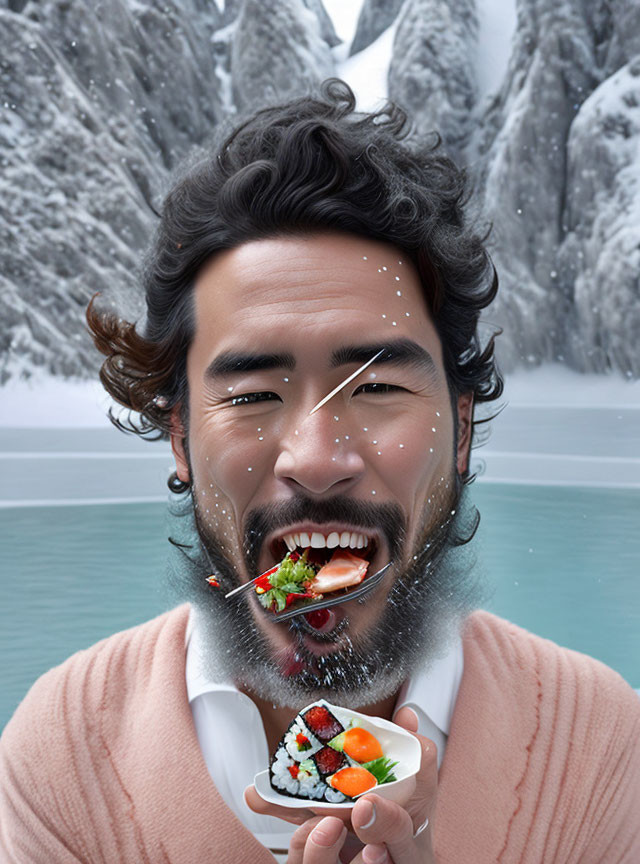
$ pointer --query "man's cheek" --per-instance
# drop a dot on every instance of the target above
(217, 517)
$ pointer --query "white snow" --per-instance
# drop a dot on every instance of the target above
(53, 403)
(344, 15)
(366, 72)
(555, 385)
(497, 26)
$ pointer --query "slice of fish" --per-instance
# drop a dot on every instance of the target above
(342, 571)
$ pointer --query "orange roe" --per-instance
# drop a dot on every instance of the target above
(361, 745)
(353, 781)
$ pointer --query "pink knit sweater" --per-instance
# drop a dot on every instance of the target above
(101, 763)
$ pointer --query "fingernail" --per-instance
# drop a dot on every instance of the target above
(368, 812)
(327, 832)
(374, 855)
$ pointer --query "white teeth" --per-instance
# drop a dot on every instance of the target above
(316, 540)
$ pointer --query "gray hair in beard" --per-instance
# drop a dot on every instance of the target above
(425, 607)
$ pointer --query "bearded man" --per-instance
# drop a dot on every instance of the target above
(310, 348)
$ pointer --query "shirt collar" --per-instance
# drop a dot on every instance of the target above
(433, 689)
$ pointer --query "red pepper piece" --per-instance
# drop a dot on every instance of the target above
(293, 770)
(263, 583)
(302, 596)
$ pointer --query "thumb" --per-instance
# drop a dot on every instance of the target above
(407, 718)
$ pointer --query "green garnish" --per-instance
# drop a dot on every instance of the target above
(291, 574)
(337, 743)
(274, 596)
(289, 578)
(382, 769)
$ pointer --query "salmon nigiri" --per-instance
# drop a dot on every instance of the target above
(342, 571)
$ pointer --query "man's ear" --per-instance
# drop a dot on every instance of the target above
(465, 428)
(177, 437)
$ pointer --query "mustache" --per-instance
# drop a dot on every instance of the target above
(387, 518)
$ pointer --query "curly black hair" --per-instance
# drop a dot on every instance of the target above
(311, 164)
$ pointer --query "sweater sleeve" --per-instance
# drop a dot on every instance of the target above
(612, 818)
(40, 814)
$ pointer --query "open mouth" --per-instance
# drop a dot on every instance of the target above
(321, 545)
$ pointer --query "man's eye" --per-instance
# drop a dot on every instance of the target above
(250, 398)
(377, 387)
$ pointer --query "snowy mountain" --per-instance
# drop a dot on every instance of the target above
(100, 102)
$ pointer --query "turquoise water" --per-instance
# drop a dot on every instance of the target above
(563, 562)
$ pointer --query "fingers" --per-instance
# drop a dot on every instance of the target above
(423, 800)
(382, 824)
(407, 718)
(375, 855)
(256, 803)
(318, 841)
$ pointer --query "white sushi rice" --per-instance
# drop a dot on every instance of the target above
(333, 796)
(291, 744)
(281, 776)
(308, 783)
(311, 786)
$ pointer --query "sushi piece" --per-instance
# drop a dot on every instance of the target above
(322, 723)
(359, 744)
(353, 780)
(318, 759)
(328, 761)
(299, 742)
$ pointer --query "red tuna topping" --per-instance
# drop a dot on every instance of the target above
(322, 723)
(328, 761)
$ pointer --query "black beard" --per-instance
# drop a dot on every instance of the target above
(424, 609)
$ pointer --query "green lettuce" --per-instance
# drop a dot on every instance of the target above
(382, 769)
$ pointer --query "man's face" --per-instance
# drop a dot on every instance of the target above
(279, 323)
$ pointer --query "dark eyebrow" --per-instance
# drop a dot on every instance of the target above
(231, 362)
(402, 352)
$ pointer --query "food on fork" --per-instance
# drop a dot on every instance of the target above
(320, 759)
(304, 577)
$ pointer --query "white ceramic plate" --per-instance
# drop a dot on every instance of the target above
(398, 744)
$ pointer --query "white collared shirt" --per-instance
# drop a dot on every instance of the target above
(234, 744)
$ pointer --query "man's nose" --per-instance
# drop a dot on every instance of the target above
(319, 454)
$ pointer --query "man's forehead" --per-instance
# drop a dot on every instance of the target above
(348, 292)
(329, 256)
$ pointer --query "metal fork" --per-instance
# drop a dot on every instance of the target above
(366, 585)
